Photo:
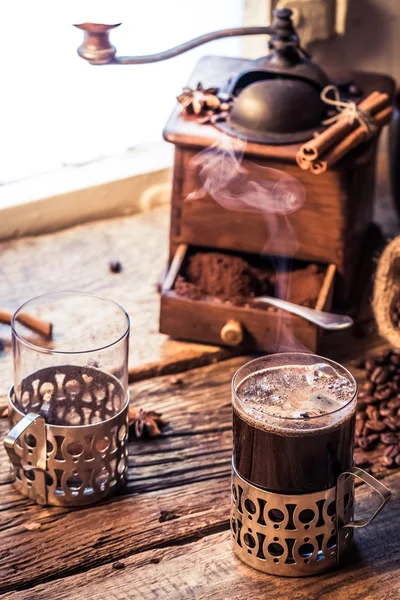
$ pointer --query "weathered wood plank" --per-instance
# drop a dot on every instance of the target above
(197, 442)
(207, 569)
(190, 464)
(71, 541)
(77, 259)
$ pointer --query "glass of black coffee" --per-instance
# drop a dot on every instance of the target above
(293, 474)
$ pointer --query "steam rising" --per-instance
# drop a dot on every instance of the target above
(273, 193)
(266, 191)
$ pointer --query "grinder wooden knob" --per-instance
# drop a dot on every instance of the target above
(232, 333)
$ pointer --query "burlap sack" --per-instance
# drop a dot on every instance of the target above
(386, 291)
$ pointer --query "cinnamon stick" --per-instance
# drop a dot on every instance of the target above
(303, 162)
(351, 141)
(328, 138)
(35, 324)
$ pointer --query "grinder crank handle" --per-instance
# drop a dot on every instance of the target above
(325, 320)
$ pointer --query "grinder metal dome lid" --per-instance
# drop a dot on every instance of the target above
(277, 100)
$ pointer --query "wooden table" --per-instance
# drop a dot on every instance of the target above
(167, 535)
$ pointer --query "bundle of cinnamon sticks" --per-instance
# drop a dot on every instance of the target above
(328, 147)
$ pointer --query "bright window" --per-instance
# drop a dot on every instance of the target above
(58, 110)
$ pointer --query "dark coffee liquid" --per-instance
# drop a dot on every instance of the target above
(284, 451)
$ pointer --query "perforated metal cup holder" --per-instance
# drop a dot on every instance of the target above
(67, 445)
(297, 535)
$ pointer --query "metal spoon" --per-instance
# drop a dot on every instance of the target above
(325, 320)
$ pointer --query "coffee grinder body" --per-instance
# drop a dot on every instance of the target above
(330, 228)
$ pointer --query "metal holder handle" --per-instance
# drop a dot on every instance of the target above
(373, 483)
(35, 425)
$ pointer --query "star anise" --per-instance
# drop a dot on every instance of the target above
(144, 421)
(196, 101)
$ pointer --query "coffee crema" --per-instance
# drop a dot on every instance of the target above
(296, 392)
(294, 427)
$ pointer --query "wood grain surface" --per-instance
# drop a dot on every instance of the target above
(77, 259)
(177, 492)
(168, 530)
(206, 569)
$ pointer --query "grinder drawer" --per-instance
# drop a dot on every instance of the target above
(246, 327)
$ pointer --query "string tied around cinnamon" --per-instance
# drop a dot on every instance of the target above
(348, 110)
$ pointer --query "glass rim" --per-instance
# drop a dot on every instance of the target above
(64, 352)
(283, 418)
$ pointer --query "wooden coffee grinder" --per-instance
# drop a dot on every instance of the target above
(275, 106)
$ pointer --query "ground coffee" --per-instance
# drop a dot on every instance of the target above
(230, 278)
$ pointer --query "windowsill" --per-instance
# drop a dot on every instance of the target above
(119, 185)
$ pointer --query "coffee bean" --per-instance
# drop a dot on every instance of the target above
(372, 413)
(380, 375)
(396, 386)
(392, 423)
(386, 461)
(392, 451)
(360, 418)
(370, 364)
(376, 469)
(380, 387)
(394, 403)
(386, 412)
(366, 443)
(115, 266)
(361, 460)
(376, 426)
(383, 394)
(389, 438)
